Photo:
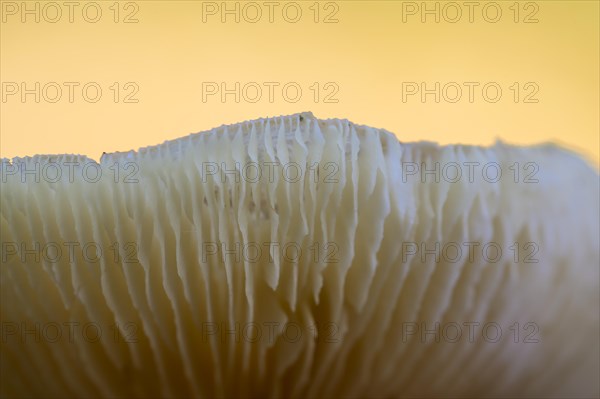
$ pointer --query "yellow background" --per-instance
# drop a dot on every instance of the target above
(368, 53)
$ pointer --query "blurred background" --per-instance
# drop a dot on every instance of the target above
(88, 77)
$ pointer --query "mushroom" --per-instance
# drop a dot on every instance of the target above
(298, 257)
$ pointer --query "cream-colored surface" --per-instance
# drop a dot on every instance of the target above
(170, 292)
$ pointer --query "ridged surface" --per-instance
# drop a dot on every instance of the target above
(172, 294)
